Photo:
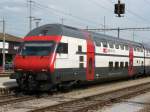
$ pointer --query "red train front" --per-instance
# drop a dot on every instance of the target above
(34, 64)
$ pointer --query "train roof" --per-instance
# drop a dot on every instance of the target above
(59, 29)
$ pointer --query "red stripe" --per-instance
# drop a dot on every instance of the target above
(90, 70)
(42, 38)
(131, 58)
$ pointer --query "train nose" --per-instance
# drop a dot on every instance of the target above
(35, 64)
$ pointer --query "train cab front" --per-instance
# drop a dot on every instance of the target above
(34, 64)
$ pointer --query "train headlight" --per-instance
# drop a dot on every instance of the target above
(44, 70)
(19, 69)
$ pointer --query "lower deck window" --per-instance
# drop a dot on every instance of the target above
(81, 58)
(81, 65)
(126, 64)
(111, 64)
(121, 64)
(116, 65)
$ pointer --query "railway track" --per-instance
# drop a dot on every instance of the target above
(6, 91)
(6, 74)
(96, 101)
(2, 97)
(10, 99)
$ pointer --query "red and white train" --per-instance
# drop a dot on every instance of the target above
(55, 55)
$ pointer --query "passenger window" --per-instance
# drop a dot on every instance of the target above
(81, 65)
(138, 49)
(116, 65)
(98, 44)
(126, 64)
(104, 44)
(111, 45)
(79, 48)
(134, 48)
(142, 63)
(122, 47)
(121, 64)
(117, 46)
(126, 47)
(141, 49)
(62, 48)
(81, 58)
(110, 64)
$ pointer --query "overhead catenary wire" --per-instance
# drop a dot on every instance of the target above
(100, 5)
(68, 14)
(48, 12)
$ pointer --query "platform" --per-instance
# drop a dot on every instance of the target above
(6, 82)
(7, 85)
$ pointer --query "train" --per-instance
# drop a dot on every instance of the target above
(58, 56)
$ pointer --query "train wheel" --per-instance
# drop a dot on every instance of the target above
(33, 85)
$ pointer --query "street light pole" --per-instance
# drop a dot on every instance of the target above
(3, 51)
(118, 32)
(30, 14)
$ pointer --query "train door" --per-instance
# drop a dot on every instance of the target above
(90, 62)
(90, 66)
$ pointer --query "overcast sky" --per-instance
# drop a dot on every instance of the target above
(78, 13)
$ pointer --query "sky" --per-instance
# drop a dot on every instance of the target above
(78, 13)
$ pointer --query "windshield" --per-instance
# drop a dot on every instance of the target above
(37, 48)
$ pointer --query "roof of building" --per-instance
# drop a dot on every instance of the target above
(10, 38)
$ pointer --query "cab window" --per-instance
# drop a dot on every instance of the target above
(62, 48)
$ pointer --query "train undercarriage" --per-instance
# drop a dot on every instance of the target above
(40, 82)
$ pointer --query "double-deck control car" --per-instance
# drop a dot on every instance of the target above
(55, 55)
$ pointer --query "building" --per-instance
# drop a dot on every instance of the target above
(11, 47)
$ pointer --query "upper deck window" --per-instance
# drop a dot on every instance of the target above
(126, 47)
(122, 47)
(117, 46)
(134, 48)
(104, 44)
(98, 43)
(111, 45)
(138, 49)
